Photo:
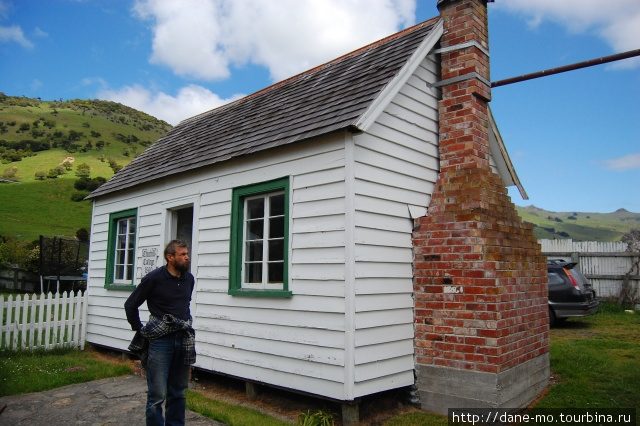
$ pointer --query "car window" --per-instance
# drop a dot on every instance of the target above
(555, 279)
(577, 275)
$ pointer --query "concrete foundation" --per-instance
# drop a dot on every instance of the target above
(441, 388)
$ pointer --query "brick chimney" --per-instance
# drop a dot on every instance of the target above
(480, 281)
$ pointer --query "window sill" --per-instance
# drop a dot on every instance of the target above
(281, 294)
(120, 287)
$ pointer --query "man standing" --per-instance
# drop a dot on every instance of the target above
(166, 344)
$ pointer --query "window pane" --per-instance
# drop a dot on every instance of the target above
(255, 208)
(119, 272)
(253, 273)
(276, 227)
(276, 250)
(124, 249)
(255, 229)
(276, 205)
(120, 257)
(555, 279)
(275, 272)
(254, 251)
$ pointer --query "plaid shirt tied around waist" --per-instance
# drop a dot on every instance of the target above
(161, 327)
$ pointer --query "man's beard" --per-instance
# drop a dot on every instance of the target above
(182, 267)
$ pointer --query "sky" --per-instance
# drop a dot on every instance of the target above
(574, 138)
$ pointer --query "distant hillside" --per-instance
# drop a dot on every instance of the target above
(46, 146)
(580, 226)
(43, 143)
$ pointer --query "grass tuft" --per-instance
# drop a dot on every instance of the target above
(40, 370)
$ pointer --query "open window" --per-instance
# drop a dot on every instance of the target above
(182, 226)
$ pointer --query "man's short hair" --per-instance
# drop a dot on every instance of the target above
(171, 247)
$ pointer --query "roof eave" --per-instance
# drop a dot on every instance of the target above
(504, 157)
(393, 86)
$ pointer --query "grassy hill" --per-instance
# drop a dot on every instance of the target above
(45, 134)
(580, 226)
(96, 132)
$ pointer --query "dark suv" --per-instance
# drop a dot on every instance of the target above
(570, 294)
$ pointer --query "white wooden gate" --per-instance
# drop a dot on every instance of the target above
(47, 321)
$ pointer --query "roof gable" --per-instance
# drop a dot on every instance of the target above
(335, 96)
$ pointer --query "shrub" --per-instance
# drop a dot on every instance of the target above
(10, 173)
(83, 170)
(81, 184)
(12, 251)
(78, 196)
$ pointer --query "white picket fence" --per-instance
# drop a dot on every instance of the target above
(46, 321)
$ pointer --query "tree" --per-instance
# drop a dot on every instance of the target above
(628, 290)
(53, 173)
(40, 175)
(83, 235)
(83, 170)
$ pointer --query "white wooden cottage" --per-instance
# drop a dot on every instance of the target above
(299, 202)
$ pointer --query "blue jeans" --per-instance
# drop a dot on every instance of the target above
(167, 374)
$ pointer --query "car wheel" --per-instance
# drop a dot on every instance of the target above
(552, 318)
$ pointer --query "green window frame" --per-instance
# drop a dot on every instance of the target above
(259, 248)
(121, 250)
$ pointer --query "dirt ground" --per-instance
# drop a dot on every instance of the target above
(287, 406)
(282, 404)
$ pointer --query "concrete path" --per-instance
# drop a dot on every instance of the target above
(113, 401)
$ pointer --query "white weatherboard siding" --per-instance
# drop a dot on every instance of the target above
(348, 329)
(296, 343)
(395, 165)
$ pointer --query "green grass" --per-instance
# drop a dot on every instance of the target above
(594, 362)
(37, 371)
(34, 207)
(228, 413)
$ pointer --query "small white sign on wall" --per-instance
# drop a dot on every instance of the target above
(149, 257)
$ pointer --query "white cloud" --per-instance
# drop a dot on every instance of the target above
(628, 162)
(40, 33)
(14, 33)
(190, 100)
(3, 9)
(617, 22)
(35, 85)
(204, 38)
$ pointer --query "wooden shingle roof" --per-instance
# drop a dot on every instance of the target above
(331, 97)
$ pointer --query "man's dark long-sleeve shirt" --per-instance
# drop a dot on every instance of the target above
(164, 294)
